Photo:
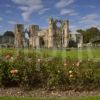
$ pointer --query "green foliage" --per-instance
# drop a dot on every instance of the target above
(90, 33)
(33, 71)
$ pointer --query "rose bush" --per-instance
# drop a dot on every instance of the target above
(32, 70)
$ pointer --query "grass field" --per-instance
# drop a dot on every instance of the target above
(75, 53)
(91, 53)
(30, 98)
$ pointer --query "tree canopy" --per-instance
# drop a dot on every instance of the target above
(88, 34)
(9, 33)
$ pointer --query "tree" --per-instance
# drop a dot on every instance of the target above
(9, 33)
(88, 34)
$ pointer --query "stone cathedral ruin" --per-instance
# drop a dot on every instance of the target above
(57, 35)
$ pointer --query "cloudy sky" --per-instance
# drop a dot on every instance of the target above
(80, 13)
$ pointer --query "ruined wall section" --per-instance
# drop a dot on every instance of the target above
(66, 34)
(50, 33)
(53, 37)
(19, 36)
(33, 36)
(58, 37)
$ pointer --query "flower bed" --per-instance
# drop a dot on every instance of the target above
(32, 70)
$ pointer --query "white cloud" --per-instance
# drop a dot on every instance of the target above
(68, 12)
(8, 11)
(73, 27)
(1, 19)
(64, 3)
(91, 6)
(28, 7)
(90, 18)
(12, 22)
(43, 11)
(8, 5)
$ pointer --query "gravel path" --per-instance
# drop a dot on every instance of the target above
(43, 93)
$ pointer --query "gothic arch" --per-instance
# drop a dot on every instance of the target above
(41, 42)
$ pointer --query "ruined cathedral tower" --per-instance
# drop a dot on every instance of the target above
(19, 35)
(58, 37)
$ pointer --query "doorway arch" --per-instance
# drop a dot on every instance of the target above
(41, 42)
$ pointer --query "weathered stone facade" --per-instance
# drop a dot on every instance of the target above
(33, 36)
(19, 35)
(58, 36)
(52, 37)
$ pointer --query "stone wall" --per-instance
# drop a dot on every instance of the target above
(58, 37)
(19, 35)
(52, 37)
(33, 36)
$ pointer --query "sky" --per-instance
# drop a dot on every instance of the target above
(82, 14)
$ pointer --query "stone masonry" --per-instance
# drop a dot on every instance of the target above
(57, 35)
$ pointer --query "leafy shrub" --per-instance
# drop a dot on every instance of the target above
(33, 71)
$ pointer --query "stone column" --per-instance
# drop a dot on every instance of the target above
(50, 33)
(37, 42)
(19, 35)
(33, 38)
(66, 33)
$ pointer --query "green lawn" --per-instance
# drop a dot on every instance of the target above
(30, 98)
(91, 53)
